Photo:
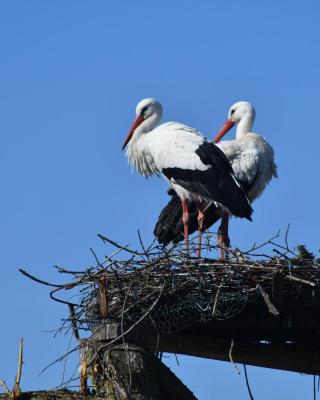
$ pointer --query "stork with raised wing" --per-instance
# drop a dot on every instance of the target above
(197, 170)
(252, 160)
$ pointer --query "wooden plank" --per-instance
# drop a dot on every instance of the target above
(103, 298)
(289, 357)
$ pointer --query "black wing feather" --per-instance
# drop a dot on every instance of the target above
(217, 182)
(169, 227)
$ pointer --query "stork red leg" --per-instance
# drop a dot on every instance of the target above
(200, 226)
(185, 219)
(223, 236)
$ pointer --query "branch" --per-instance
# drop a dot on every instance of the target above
(16, 391)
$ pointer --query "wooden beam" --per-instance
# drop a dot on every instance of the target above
(303, 358)
(103, 298)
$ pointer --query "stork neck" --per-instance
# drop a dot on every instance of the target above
(245, 124)
(135, 144)
(138, 151)
(147, 125)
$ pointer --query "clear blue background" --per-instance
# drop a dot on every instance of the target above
(71, 74)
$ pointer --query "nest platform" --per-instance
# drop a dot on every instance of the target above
(252, 307)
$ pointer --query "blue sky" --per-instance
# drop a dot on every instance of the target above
(71, 74)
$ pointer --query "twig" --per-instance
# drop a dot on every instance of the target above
(282, 247)
(4, 385)
(151, 245)
(33, 278)
(304, 281)
(59, 359)
(141, 243)
(67, 271)
(95, 257)
(16, 391)
(177, 360)
(73, 321)
(231, 359)
(115, 244)
(254, 247)
(108, 258)
(272, 309)
(247, 382)
(65, 362)
(281, 254)
(59, 300)
(216, 299)
(286, 237)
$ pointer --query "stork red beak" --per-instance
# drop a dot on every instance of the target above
(226, 127)
(136, 123)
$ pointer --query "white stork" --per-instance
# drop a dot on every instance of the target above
(196, 169)
(252, 160)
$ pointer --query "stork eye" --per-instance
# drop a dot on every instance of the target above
(143, 111)
(232, 111)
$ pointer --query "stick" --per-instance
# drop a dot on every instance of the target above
(231, 359)
(115, 244)
(294, 278)
(4, 385)
(25, 273)
(95, 257)
(272, 309)
(216, 300)
(141, 243)
(16, 391)
(247, 381)
(59, 300)
(286, 237)
(103, 298)
(73, 321)
(83, 378)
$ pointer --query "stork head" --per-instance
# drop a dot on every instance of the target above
(148, 113)
(242, 111)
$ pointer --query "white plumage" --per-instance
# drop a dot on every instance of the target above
(170, 145)
(252, 160)
(251, 156)
(195, 168)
